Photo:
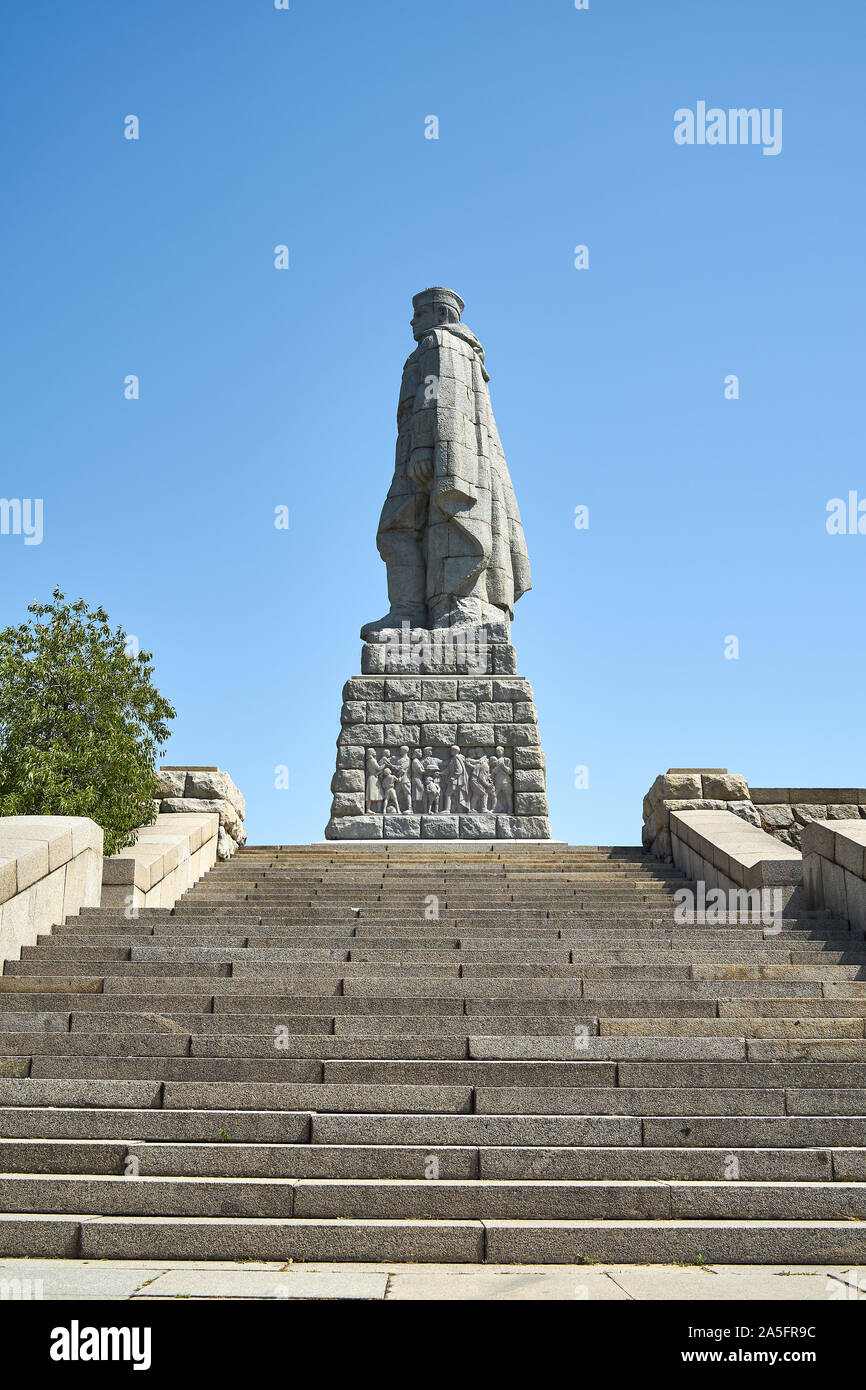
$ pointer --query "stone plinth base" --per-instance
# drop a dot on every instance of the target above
(397, 774)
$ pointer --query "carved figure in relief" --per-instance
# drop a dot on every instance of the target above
(374, 786)
(501, 772)
(390, 804)
(401, 766)
(456, 791)
(418, 802)
(482, 792)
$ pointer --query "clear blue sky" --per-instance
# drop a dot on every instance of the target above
(261, 387)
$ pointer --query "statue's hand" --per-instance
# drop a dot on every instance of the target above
(421, 469)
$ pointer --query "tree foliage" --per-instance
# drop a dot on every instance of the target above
(81, 721)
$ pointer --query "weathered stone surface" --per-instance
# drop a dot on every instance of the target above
(364, 688)
(397, 734)
(170, 781)
(529, 780)
(778, 817)
(478, 827)
(473, 690)
(362, 734)
(402, 689)
(514, 689)
(205, 790)
(174, 805)
(354, 828)
(424, 711)
(351, 757)
(353, 712)
(530, 757)
(525, 712)
(440, 827)
(473, 734)
(214, 785)
(504, 661)
(442, 688)
(348, 780)
(517, 735)
(348, 804)
(226, 845)
(402, 827)
(531, 827)
(669, 786)
(492, 712)
(384, 711)
(725, 786)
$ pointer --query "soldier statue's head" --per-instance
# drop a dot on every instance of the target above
(434, 307)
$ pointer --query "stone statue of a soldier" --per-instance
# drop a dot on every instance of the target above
(450, 531)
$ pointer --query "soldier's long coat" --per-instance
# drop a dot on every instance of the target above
(470, 526)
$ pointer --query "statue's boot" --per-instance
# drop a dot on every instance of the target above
(469, 613)
(392, 621)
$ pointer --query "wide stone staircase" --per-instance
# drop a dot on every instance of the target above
(435, 1052)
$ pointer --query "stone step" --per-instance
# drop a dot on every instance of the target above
(442, 1199)
(280, 1058)
(607, 1131)
(773, 1026)
(106, 1195)
(264, 1160)
(678, 1241)
(165, 1126)
(562, 963)
(318, 1067)
(419, 1241)
(576, 1072)
(454, 950)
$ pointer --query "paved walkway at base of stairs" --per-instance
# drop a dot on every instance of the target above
(143, 1281)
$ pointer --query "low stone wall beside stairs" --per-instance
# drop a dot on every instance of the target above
(834, 868)
(50, 868)
(167, 858)
(197, 790)
(725, 852)
(780, 811)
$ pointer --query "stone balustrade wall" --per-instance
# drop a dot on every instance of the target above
(50, 868)
(167, 858)
(834, 868)
(782, 812)
(195, 790)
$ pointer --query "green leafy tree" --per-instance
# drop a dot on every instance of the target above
(81, 721)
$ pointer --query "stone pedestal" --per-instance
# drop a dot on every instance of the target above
(439, 741)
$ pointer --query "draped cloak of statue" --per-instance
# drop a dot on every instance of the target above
(450, 531)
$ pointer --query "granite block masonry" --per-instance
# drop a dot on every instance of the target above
(203, 789)
(782, 812)
(439, 736)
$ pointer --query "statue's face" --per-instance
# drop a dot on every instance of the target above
(425, 319)
(429, 317)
